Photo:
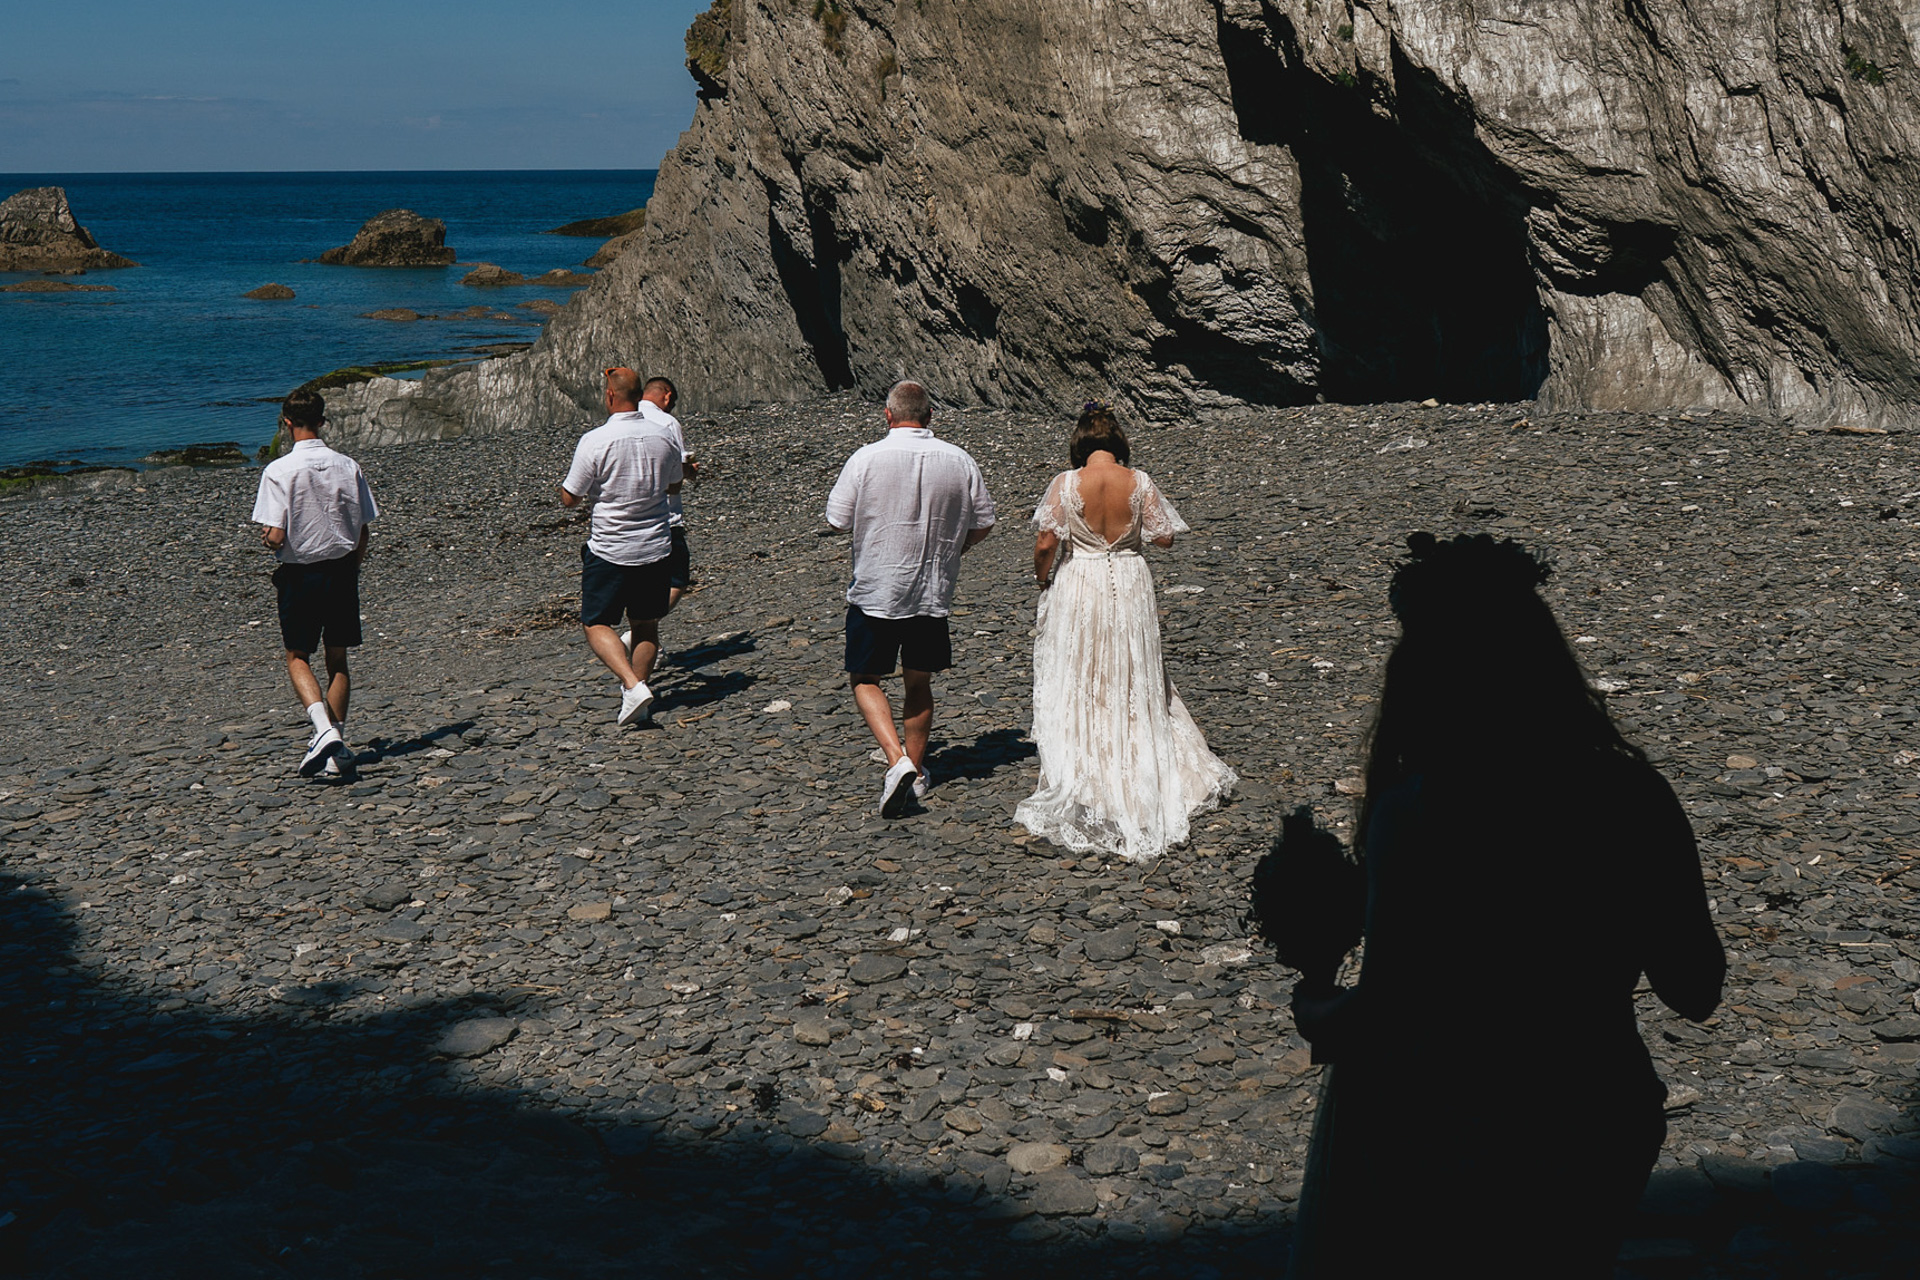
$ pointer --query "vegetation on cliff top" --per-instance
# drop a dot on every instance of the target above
(707, 48)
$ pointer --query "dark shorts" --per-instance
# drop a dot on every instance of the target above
(679, 564)
(874, 644)
(608, 590)
(319, 600)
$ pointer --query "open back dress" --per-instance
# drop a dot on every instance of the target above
(1123, 767)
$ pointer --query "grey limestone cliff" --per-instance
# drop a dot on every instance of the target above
(1185, 203)
(38, 232)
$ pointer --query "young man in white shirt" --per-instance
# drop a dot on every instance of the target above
(914, 504)
(626, 468)
(657, 399)
(313, 509)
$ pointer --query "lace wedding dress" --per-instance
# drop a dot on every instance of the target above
(1122, 765)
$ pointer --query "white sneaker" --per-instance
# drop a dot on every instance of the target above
(321, 749)
(636, 703)
(340, 765)
(898, 787)
(922, 783)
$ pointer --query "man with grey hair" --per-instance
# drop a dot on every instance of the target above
(913, 505)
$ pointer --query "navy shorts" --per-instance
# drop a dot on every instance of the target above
(319, 600)
(608, 590)
(875, 644)
(679, 563)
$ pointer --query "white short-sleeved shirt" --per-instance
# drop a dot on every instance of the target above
(624, 468)
(655, 414)
(911, 501)
(321, 498)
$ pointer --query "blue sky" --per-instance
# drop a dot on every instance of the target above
(93, 86)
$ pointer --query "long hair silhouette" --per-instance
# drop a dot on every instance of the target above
(1482, 676)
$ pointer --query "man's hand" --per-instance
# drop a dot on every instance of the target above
(272, 538)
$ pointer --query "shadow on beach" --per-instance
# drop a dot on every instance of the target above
(148, 1136)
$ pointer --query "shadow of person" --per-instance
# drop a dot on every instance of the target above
(1525, 866)
(982, 757)
(378, 750)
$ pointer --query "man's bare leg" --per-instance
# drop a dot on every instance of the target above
(916, 715)
(646, 647)
(339, 683)
(673, 596)
(305, 686)
(877, 711)
(606, 646)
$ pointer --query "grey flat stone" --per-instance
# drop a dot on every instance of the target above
(1106, 1158)
(475, 1036)
(1036, 1157)
(875, 967)
(1061, 1193)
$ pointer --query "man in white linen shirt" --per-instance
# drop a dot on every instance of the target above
(657, 399)
(626, 468)
(312, 509)
(914, 504)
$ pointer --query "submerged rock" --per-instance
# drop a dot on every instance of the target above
(485, 275)
(38, 233)
(618, 225)
(1176, 207)
(270, 293)
(55, 286)
(226, 453)
(396, 238)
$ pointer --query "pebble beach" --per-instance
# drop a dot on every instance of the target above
(536, 995)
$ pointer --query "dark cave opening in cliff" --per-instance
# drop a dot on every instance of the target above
(1415, 246)
(811, 279)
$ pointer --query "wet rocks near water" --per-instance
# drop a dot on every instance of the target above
(485, 275)
(721, 1015)
(38, 232)
(270, 293)
(54, 286)
(226, 453)
(399, 315)
(619, 224)
(396, 238)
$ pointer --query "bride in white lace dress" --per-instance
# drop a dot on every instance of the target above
(1123, 767)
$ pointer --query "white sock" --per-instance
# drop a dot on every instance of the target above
(321, 717)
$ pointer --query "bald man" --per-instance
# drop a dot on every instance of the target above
(626, 468)
(913, 504)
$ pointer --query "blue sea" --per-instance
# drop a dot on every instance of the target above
(176, 356)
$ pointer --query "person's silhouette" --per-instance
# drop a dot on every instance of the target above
(1491, 1106)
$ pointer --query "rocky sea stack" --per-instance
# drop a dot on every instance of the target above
(38, 233)
(1651, 206)
(270, 293)
(396, 238)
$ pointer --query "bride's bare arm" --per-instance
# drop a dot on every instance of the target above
(1044, 547)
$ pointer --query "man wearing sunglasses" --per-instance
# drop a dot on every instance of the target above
(627, 468)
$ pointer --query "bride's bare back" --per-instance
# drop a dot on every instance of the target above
(1106, 497)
